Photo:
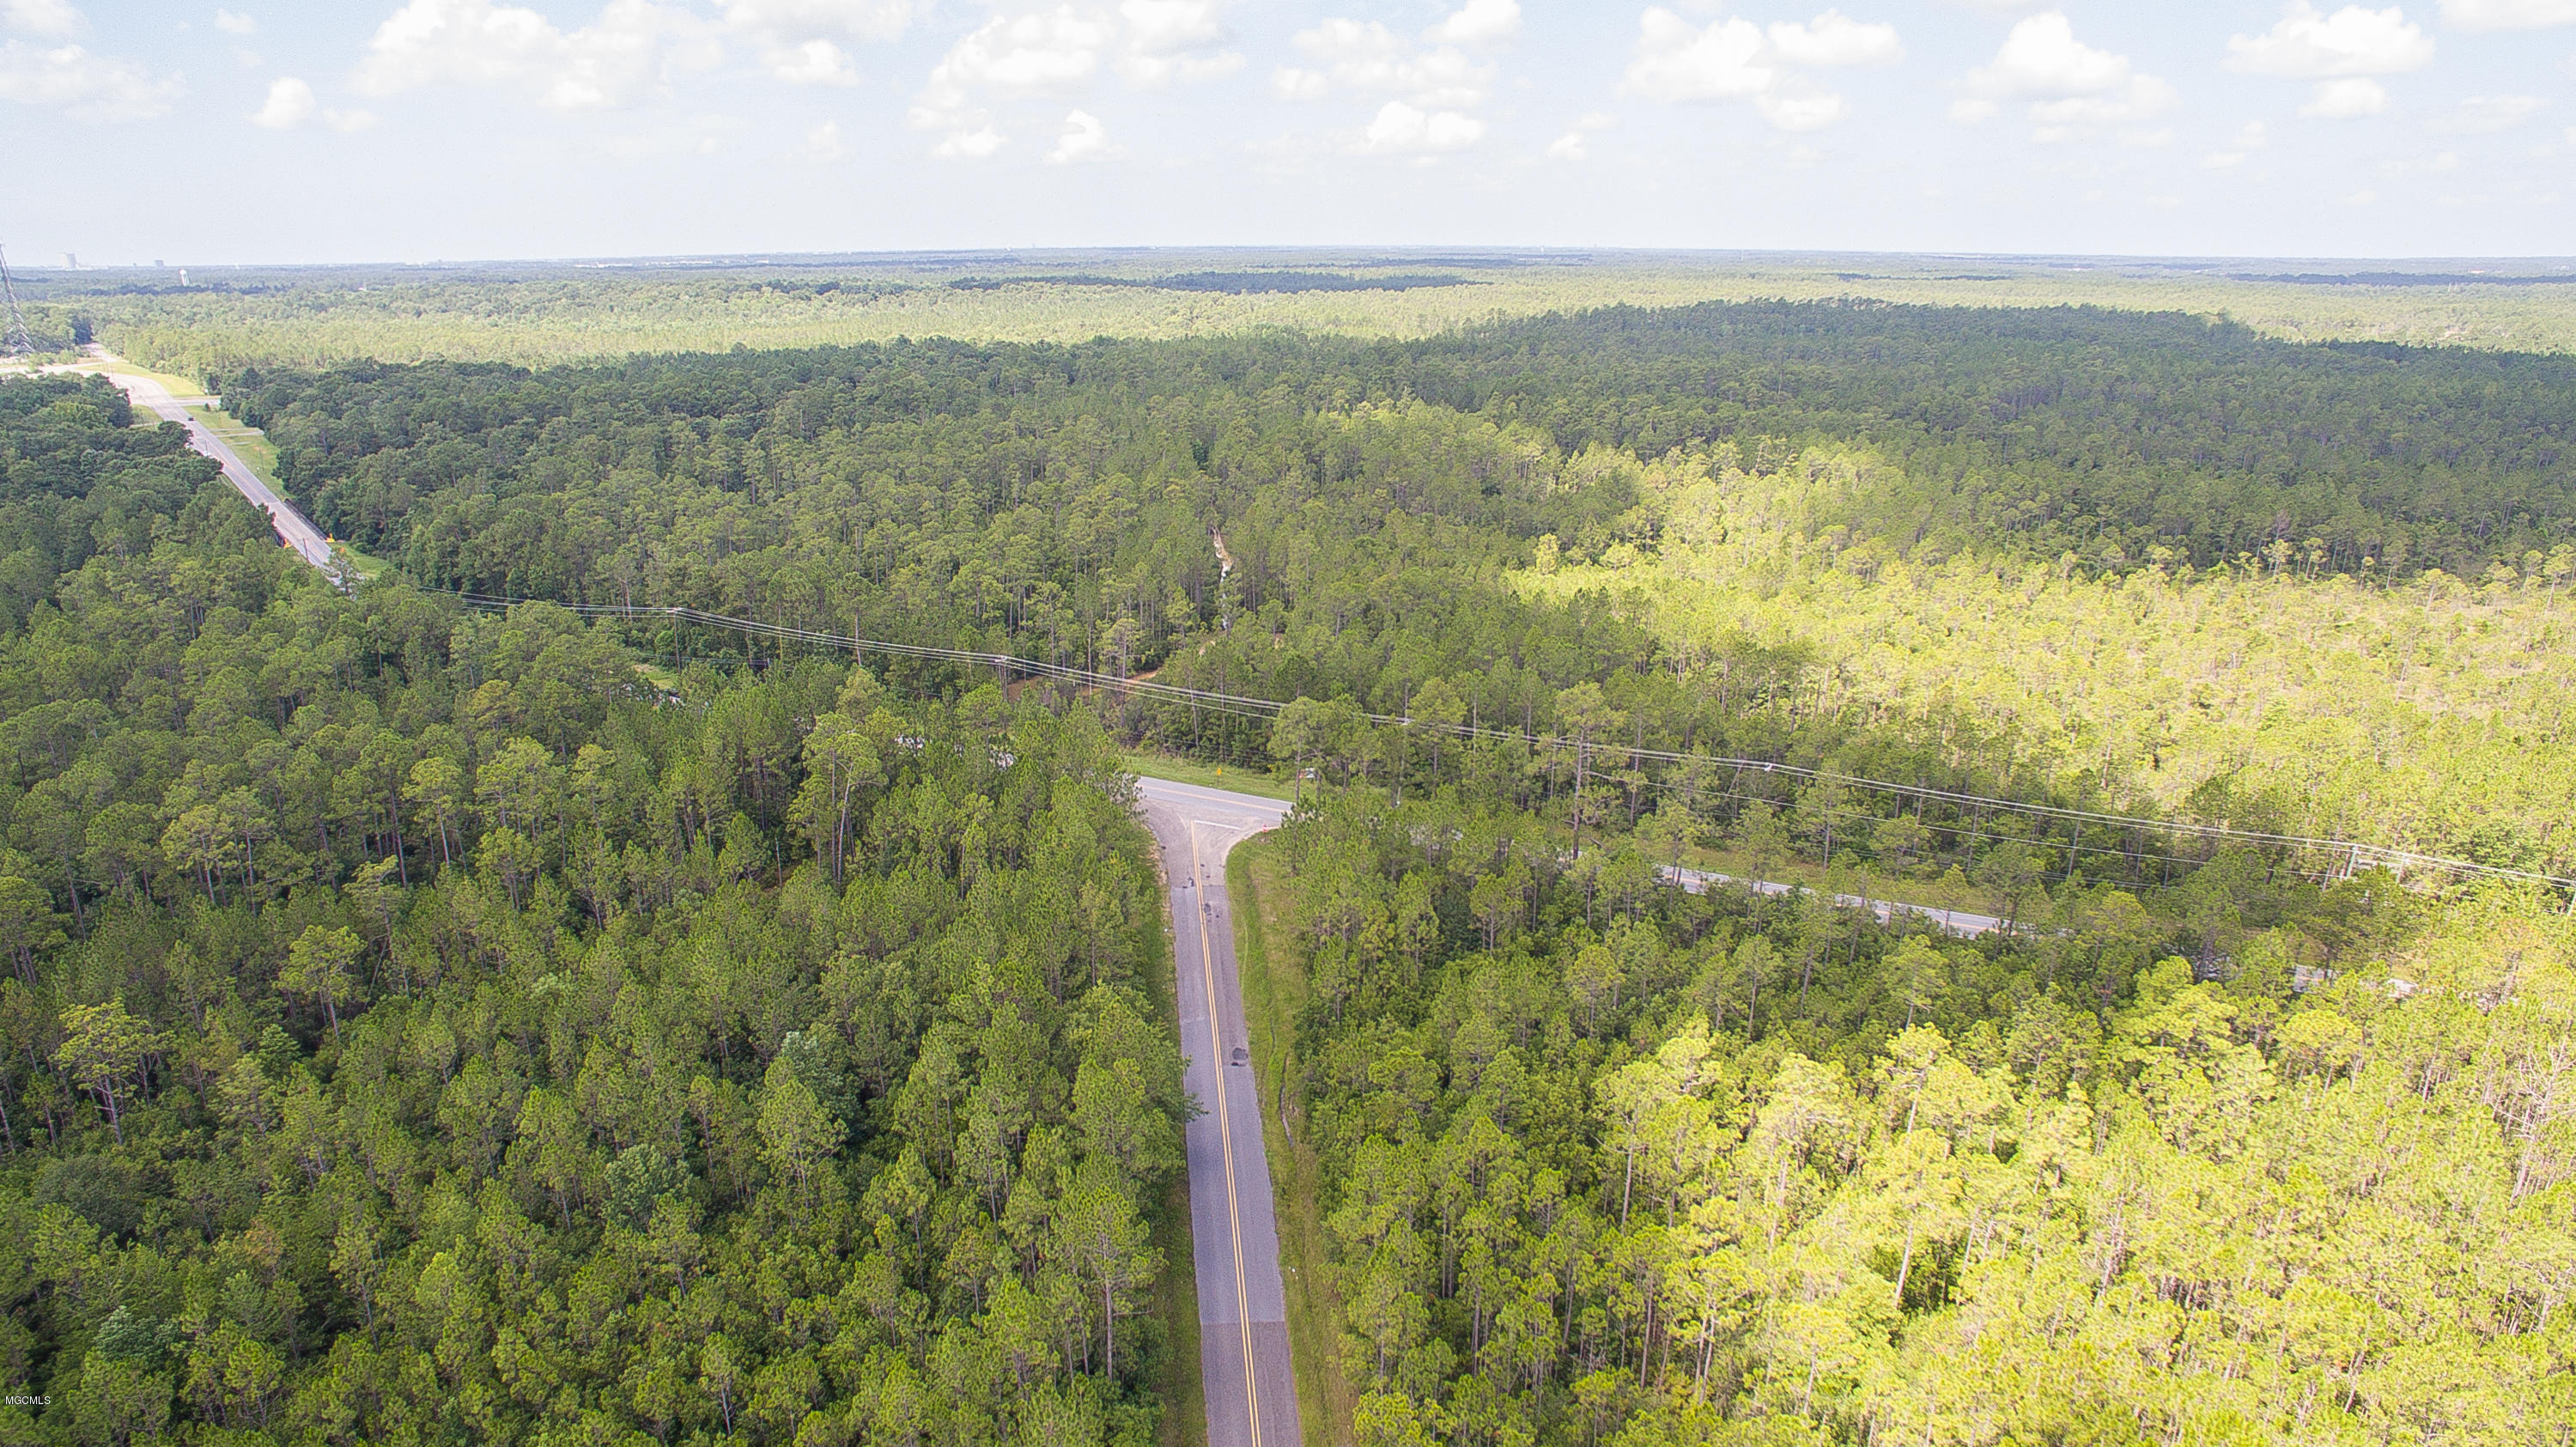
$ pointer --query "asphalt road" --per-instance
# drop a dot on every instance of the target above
(1243, 1318)
(298, 533)
(1951, 921)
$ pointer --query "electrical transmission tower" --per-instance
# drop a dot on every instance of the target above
(19, 343)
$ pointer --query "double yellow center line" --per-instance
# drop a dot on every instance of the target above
(1225, 1134)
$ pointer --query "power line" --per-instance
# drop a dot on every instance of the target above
(2350, 855)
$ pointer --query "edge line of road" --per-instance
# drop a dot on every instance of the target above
(1225, 1137)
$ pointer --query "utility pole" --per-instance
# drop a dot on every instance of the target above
(19, 344)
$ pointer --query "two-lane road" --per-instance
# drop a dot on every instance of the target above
(292, 526)
(1243, 1318)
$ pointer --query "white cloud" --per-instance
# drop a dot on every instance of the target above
(1731, 59)
(290, 104)
(629, 50)
(1434, 82)
(787, 23)
(2509, 14)
(54, 19)
(1082, 138)
(2485, 114)
(1010, 55)
(1479, 22)
(234, 24)
(2345, 99)
(1173, 40)
(1832, 40)
(1576, 143)
(1150, 42)
(2072, 89)
(1804, 111)
(972, 145)
(1161, 27)
(83, 86)
(2253, 137)
(1403, 129)
(1337, 40)
(1291, 82)
(1027, 52)
(2042, 57)
(1678, 61)
(800, 40)
(815, 62)
(824, 142)
(1367, 57)
(2308, 44)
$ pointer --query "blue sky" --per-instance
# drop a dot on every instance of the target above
(273, 130)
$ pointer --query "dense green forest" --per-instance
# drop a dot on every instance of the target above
(417, 1032)
(2102, 433)
(1388, 505)
(1607, 1163)
(426, 1022)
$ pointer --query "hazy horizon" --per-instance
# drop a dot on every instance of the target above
(288, 131)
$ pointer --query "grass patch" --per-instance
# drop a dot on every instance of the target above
(251, 444)
(367, 565)
(1176, 1302)
(177, 385)
(1274, 986)
(1209, 776)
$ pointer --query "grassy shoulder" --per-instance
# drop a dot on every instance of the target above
(246, 441)
(257, 453)
(1256, 876)
(366, 565)
(1206, 775)
(1175, 1295)
(177, 384)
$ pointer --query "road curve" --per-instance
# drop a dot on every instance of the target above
(292, 526)
(1243, 1318)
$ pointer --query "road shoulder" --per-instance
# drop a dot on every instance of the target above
(1273, 990)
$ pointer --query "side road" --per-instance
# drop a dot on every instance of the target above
(1951, 921)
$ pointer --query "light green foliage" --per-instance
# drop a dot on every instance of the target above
(1939, 1201)
(2425, 714)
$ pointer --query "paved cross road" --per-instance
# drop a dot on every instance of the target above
(1243, 1316)
(292, 526)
